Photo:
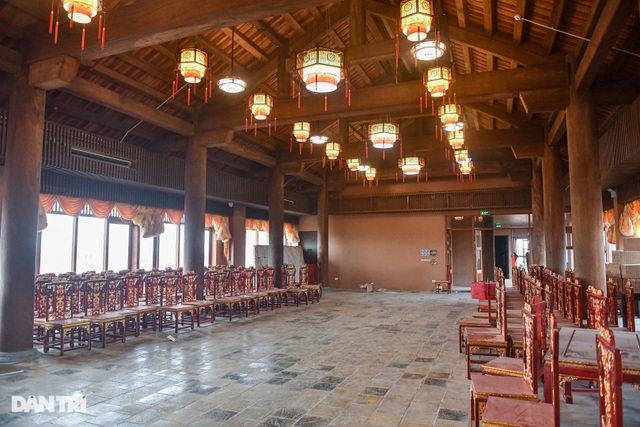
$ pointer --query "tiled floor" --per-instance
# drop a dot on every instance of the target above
(377, 359)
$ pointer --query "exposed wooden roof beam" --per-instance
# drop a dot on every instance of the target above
(388, 98)
(123, 104)
(220, 54)
(293, 23)
(247, 44)
(269, 32)
(149, 22)
(516, 118)
(301, 171)
(462, 13)
(489, 7)
(10, 60)
(554, 21)
(612, 18)
(592, 20)
(518, 26)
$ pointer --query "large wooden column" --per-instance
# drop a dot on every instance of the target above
(276, 222)
(195, 193)
(238, 235)
(538, 255)
(553, 195)
(586, 193)
(323, 232)
(19, 225)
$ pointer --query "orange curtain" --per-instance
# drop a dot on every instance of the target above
(47, 200)
(257, 224)
(174, 216)
(291, 233)
(208, 220)
(100, 208)
(71, 205)
(127, 211)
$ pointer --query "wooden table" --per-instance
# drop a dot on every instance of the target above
(577, 360)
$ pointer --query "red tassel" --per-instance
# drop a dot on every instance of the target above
(55, 36)
(324, 162)
(340, 163)
(426, 177)
(298, 100)
(400, 148)
(433, 108)
(349, 98)
(246, 125)
(346, 88)
(420, 105)
(311, 148)
(84, 32)
(293, 89)
(366, 149)
(195, 87)
(51, 18)
(275, 123)
(71, 17)
(331, 165)
(376, 182)
(301, 149)
(396, 176)
(206, 94)
(397, 51)
(255, 129)
(290, 144)
(325, 103)
(269, 126)
(404, 178)
(363, 183)
(99, 27)
(104, 32)
(189, 96)
(369, 184)
(210, 88)
(251, 120)
(418, 177)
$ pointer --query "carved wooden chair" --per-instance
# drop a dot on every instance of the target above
(313, 291)
(104, 324)
(293, 291)
(501, 411)
(596, 308)
(631, 306)
(172, 313)
(224, 296)
(205, 310)
(145, 315)
(261, 289)
(525, 388)
(62, 330)
(40, 307)
(610, 378)
(612, 302)
(276, 295)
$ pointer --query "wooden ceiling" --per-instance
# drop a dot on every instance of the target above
(511, 77)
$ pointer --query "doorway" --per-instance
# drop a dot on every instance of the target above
(502, 255)
(521, 248)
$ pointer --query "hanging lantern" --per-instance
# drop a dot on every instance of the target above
(428, 50)
(81, 11)
(301, 131)
(260, 105)
(332, 150)
(320, 68)
(449, 115)
(461, 156)
(363, 167)
(353, 164)
(466, 168)
(383, 134)
(411, 165)
(438, 79)
(318, 139)
(456, 139)
(193, 64)
(230, 83)
(415, 19)
(370, 174)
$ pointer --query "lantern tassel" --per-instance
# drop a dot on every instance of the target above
(298, 100)
(404, 178)
(363, 183)
(84, 33)
(349, 98)
(255, 128)
(400, 148)
(99, 27)
(290, 144)
(71, 17)
(396, 176)
(311, 148)
(366, 149)
(324, 162)
(418, 177)
(420, 105)
(189, 96)
(326, 103)
(246, 125)
(51, 18)
(301, 148)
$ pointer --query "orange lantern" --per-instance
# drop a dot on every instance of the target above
(449, 115)
(81, 11)
(383, 134)
(437, 81)
(415, 19)
(260, 105)
(193, 64)
(411, 165)
(320, 68)
(301, 131)
(456, 139)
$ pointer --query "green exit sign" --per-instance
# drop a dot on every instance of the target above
(484, 213)
(498, 225)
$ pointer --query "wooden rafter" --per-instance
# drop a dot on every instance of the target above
(554, 21)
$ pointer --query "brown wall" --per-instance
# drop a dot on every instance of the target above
(385, 250)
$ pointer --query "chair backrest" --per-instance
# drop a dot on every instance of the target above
(152, 287)
(612, 302)
(290, 276)
(40, 295)
(60, 294)
(189, 286)
(169, 289)
(555, 375)
(250, 280)
(501, 312)
(596, 308)
(578, 303)
(131, 282)
(269, 278)
(610, 379)
(531, 347)
(114, 290)
(304, 275)
(260, 276)
(238, 283)
(631, 306)
(95, 290)
(209, 281)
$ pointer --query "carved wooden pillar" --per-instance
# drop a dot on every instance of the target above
(586, 194)
(323, 232)
(19, 224)
(195, 191)
(276, 222)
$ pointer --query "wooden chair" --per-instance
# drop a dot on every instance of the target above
(596, 308)
(145, 315)
(610, 379)
(260, 289)
(103, 321)
(631, 306)
(612, 302)
(501, 411)
(276, 295)
(525, 388)
(291, 290)
(204, 309)
(172, 313)
(224, 296)
(312, 290)
(61, 329)
(249, 300)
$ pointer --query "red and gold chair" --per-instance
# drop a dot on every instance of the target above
(291, 290)
(205, 310)
(525, 388)
(61, 329)
(103, 321)
(248, 300)
(612, 302)
(146, 316)
(223, 293)
(610, 379)
(276, 295)
(260, 287)
(171, 313)
(312, 290)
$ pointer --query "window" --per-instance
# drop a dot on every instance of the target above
(90, 252)
(146, 253)
(249, 252)
(168, 256)
(57, 244)
(207, 232)
(118, 255)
